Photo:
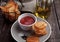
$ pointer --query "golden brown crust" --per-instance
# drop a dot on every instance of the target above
(32, 39)
(41, 32)
(40, 28)
(40, 25)
(11, 10)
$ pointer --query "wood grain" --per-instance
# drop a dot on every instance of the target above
(53, 19)
(55, 27)
(57, 5)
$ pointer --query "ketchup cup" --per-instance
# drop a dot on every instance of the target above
(26, 26)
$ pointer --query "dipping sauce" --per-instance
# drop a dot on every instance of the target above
(27, 20)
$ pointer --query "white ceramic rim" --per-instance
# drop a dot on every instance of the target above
(50, 30)
(43, 20)
(11, 31)
(27, 15)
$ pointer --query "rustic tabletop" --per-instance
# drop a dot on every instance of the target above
(53, 19)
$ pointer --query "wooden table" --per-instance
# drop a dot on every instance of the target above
(53, 19)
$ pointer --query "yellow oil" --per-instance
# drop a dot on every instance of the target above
(42, 11)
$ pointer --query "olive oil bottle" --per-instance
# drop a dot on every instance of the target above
(42, 9)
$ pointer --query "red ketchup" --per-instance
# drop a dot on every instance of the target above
(27, 20)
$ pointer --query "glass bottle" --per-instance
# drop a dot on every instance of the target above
(43, 8)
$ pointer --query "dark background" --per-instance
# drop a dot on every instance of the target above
(53, 19)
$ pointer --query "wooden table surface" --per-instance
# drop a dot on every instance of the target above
(53, 19)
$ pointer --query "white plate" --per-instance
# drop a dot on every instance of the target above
(17, 32)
